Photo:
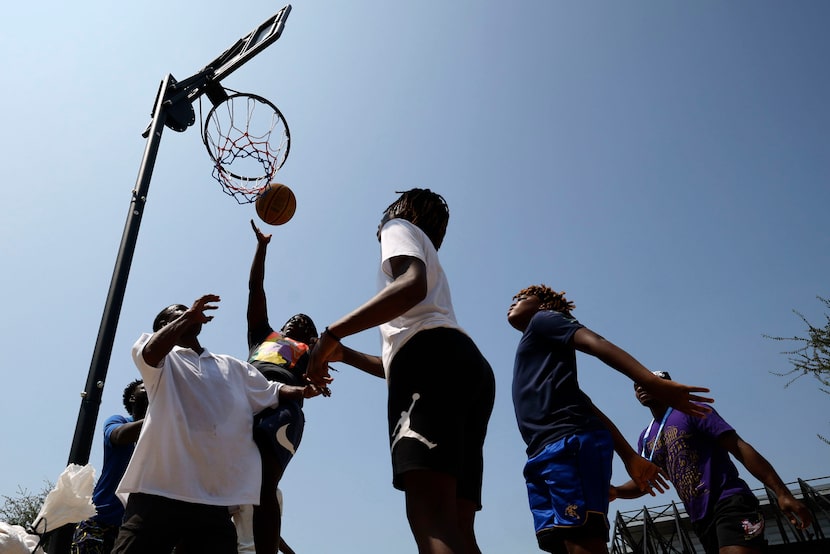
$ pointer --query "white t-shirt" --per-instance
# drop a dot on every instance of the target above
(197, 444)
(399, 237)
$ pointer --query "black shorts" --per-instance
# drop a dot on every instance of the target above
(734, 521)
(155, 524)
(441, 394)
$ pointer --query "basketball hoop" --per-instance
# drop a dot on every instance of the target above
(247, 138)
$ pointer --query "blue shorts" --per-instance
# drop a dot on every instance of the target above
(278, 431)
(567, 485)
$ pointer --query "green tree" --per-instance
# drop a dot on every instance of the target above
(811, 355)
(23, 508)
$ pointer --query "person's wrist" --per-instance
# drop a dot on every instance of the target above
(331, 335)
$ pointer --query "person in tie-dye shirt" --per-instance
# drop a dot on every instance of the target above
(281, 356)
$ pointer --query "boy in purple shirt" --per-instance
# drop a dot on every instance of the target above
(694, 452)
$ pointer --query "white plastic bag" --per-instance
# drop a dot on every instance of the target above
(15, 540)
(69, 502)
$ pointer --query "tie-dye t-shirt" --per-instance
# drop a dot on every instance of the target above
(280, 358)
(699, 468)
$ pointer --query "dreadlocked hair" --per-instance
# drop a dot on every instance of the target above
(551, 300)
(424, 208)
(128, 394)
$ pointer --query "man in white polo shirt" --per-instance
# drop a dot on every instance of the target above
(196, 455)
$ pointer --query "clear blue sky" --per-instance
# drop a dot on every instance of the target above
(664, 163)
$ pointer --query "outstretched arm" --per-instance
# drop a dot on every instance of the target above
(677, 395)
(762, 470)
(257, 305)
(628, 490)
(407, 289)
(162, 341)
(364, 362)
(645, 475)
(294, 392)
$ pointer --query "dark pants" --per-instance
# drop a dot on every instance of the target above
(155, 525)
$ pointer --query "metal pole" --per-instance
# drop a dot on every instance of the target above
(91, 396)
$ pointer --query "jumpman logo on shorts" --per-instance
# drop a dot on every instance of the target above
(404, 430)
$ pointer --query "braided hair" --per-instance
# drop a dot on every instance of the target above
(424, 208)
(551, 300)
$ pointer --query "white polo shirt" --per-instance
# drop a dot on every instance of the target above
(196, 444)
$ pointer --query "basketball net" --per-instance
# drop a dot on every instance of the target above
(248, 140)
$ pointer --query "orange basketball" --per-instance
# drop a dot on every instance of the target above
(276, 205)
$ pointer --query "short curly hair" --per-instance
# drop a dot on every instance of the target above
(551, 300)
(129, 391)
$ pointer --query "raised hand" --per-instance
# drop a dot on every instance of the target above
(260, 236)
(197, 311)
(679, 396)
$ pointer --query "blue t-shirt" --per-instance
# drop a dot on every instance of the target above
(699, 468)
(547, 399)
(116, 457)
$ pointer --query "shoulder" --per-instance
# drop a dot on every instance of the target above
(400, 237)
(551, 320)
(713, 420)
(139, 344)
(114, 422)
(229, 360)
(260, 333)
(118, 419)
(400, 230)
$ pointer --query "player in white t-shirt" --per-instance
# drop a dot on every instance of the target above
(441, 389)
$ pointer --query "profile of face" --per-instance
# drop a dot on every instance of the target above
(522, 310)
(139, 401)
(301, 329)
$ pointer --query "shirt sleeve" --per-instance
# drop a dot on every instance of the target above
(262, 393)
(399, 238)
(112, 424)
(148, 373)
(555, 326)
(712, 424)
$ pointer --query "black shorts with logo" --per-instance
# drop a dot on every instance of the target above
(734, 521)
(441, 394)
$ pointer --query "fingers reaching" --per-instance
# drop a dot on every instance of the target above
(260, 236)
